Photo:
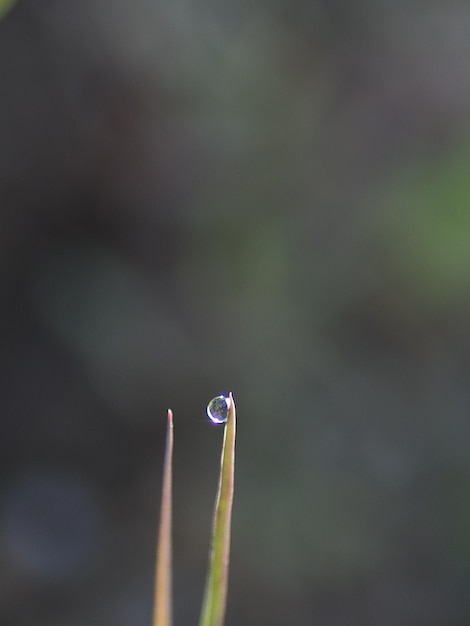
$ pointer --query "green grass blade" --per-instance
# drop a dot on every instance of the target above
(215, 596)
(162, 613)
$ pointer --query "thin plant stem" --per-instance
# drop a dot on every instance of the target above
(162, 613)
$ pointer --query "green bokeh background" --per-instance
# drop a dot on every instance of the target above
(269, 198)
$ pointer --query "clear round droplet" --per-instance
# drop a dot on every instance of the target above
(217, 409)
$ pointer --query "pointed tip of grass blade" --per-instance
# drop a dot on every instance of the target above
(162, 614)
(215, 595)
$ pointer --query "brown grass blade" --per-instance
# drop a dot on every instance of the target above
(162, 614)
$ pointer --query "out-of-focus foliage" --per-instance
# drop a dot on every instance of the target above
(268, 197)
(431, 227)
(5, 6)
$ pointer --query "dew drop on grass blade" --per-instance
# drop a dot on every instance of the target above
(215, 595)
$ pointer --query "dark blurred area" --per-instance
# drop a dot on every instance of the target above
(269, 198)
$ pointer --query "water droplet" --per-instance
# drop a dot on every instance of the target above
(217, 409)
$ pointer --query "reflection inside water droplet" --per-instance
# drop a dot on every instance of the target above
(217, 409)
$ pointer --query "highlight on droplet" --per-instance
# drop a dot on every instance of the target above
(217, 409)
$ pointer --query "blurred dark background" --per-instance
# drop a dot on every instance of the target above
(269, 198)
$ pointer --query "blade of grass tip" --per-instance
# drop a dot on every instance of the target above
(162, 613)
(215, 595)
